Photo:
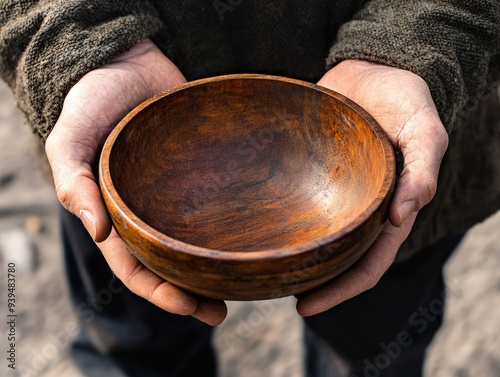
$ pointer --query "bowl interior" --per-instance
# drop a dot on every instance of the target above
(248, 164)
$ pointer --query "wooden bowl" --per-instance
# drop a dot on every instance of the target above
(248, 187)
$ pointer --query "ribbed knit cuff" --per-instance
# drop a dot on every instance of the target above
(453, 46)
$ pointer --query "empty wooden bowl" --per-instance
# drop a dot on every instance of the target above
(248, 187)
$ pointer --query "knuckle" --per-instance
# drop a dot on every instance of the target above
(154, 292)
(429, 189)
(64, 195)
(371, 279)
(442, 136)
(441, 141)
(423, 188)
(53, 143)
(132, 275)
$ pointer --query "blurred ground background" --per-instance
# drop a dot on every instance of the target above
(257, 339)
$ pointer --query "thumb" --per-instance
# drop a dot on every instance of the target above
(90, 110)
(74, 180)
(423, 143)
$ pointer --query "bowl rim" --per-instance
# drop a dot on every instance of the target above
(132, 220)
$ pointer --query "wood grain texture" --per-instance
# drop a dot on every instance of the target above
(247, 187)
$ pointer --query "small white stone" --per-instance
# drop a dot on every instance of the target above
(17, 247)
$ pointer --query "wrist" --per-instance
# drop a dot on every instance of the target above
(350, 76)
(150, 66)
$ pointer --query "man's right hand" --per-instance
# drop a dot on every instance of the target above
(90, 111)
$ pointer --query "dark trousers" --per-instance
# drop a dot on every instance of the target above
(383, 332)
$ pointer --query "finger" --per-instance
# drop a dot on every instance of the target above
(75, 184)
(359, 278)
(142, 281)
(146, 284)
(423, 142)
(210, 311)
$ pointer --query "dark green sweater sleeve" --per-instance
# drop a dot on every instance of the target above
(47, 46)
(454, 45)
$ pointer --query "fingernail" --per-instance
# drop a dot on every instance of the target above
(89, 222)
(406, 209)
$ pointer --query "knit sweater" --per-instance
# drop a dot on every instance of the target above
(47, 46)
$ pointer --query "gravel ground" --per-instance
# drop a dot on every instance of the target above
(257, 339)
